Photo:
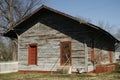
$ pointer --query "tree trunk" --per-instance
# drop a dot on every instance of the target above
(14, 50)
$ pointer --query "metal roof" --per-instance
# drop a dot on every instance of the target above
(61, 13)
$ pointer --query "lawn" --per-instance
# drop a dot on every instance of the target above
(37, 76)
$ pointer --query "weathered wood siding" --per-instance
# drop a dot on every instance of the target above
(117, 52)
(48, 41)
(48, 31)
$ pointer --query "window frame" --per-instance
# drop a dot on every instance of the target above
(62, 43)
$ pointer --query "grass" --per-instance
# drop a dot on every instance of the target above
(115, 75)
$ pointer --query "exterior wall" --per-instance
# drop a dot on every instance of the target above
(103, 56)
(8, 67)
(117, 52)
(48, 41)
(48, 38)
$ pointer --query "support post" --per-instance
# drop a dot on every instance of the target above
(86, 57)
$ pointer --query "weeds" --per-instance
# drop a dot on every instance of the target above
(115, 75)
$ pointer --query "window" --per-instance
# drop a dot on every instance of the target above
(65, 54)
(32, 54)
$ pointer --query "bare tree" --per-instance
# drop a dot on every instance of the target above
(110, 28)
(106, 26)
(117, 35)
(5, 55)
(83, 19)
(11, 11)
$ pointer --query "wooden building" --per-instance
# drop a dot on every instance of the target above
(49, 40)
(117, 52)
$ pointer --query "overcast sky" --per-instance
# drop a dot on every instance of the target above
(96, 10)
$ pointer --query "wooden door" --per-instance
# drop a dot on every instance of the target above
(32, 56)
(65, 53)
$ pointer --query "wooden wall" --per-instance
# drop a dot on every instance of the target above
(48, 41)
(48, 38)
(117, 52)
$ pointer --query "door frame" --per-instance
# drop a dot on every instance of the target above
(29, 53)
(65, 42)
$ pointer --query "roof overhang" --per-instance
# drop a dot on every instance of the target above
(12, 32)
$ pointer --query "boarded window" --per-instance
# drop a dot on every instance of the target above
(65, 48)
(32, 54)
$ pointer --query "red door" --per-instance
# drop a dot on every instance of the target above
(65, 58)
(32, 54)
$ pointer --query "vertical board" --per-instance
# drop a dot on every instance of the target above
(86, 57)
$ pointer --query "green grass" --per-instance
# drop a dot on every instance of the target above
(115, 75)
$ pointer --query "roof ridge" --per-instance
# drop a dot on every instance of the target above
(63, 14)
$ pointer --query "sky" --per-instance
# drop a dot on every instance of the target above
(107, 11)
